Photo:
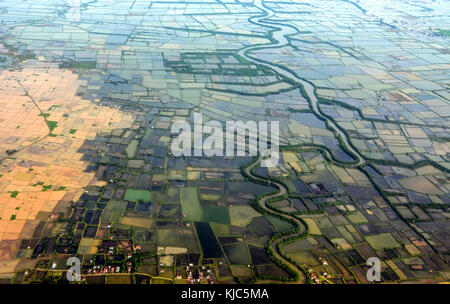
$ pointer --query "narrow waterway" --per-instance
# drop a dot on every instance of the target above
(262, 202)
(280, 35)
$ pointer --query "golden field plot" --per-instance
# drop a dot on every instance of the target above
(47, 171)
(312, 226)
(88, 246)
(20, 120)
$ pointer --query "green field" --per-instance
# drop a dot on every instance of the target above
(216, 214)
(131, 148)
(135, 195)
(381, 241)
(52, 125)
(304, 257)
(220, 229)
(167, 237)
(357, 218)
(194, 211)
(190, 205)
(237, 254)
(279, 224)
(242, 215)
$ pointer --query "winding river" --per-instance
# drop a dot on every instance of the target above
(262, 202)
(279, 35)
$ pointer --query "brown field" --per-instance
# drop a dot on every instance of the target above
(46, 172)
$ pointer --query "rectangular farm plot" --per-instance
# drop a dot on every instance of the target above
(208, 241)
(194, 211)
(190, 205)
(237, 254)
(135, 195)
(312, 225)
(382, 241)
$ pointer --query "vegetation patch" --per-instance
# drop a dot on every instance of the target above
(136, 195)
(382, 241)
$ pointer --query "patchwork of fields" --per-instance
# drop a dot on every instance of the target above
(360, 92)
